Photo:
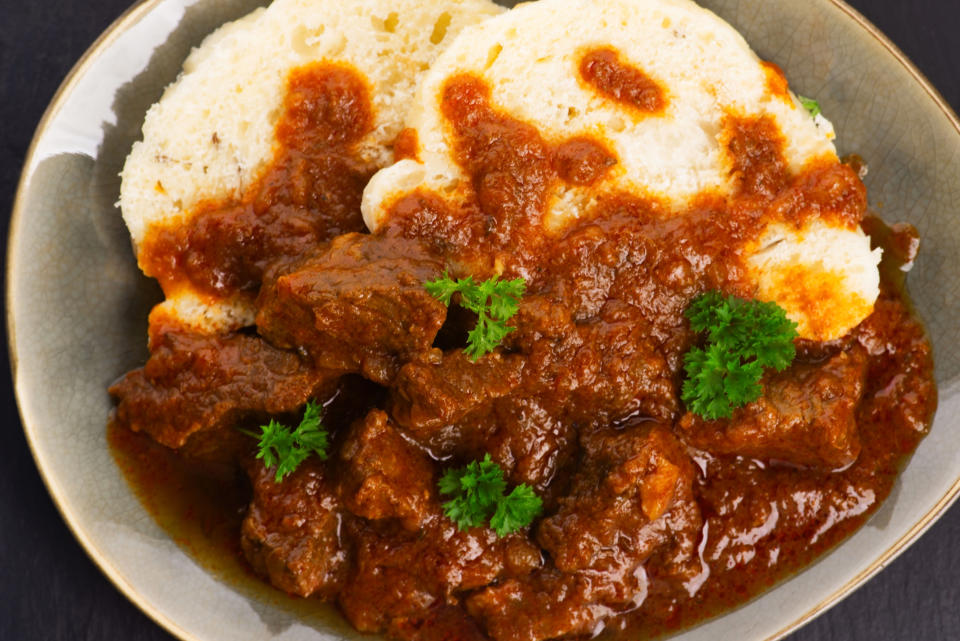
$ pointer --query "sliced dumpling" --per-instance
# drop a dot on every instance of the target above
(658, 99)
(824, 276)
(226, 182)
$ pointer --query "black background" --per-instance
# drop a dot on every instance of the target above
(49, 589)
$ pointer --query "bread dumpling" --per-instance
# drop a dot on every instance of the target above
(673, 136)
(212, 134)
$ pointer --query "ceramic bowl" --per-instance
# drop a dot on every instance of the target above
(78, 305)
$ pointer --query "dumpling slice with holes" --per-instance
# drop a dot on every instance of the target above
(657, 99)
(263, 145)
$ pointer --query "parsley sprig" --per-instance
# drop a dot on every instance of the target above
(516, 510)
(286, 449)
(743, 338)
(494, 301)
(476, 489)
(811, 105)
(479, 494)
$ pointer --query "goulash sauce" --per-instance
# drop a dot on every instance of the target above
(581, 402)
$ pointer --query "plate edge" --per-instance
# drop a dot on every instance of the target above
(127, 19)
(133, 15)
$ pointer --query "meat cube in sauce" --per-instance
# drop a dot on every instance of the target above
(457, 407)
(628, 480)
(631, 497)
(620, 372)
(383, 476)
(531, 443)
(554, 604)
(358, 305)
(440, 389)
(595, 372)
(196, 383)
(399, 577)
(806, 416)
(443, 622)
(291, 535)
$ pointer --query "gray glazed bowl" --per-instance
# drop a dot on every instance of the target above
(77, 307)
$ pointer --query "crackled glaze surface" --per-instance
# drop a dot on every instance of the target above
(78, 305)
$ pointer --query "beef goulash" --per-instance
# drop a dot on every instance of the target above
(540, 324)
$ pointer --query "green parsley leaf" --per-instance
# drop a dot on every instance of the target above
(286, 449)
(476, 489)
(516, 510)
(743, 338)
(768, 335)
(478, 492)
(708, 310)
(449, 483)
(311, 436)
(464, 513)
(274, 443)
(494, 301)
(444, 288)
(484, 481)
(811, 105)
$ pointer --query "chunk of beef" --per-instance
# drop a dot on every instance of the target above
(195, 383)
(442, 622)
(806, 416)
(440, 389)
(357, 305)
(457, 407)
(628, 256)
(621, 371)
(627, 481)
(291, 534)
(596, 372)
(532, 445)
(539, 318)
(399, 578)
(583, 267)
(454, 406)
(383, 476)
(526, 416)
(550, 604)
(632, 497)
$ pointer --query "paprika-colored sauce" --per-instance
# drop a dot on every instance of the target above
(644, 530)
(603, 69)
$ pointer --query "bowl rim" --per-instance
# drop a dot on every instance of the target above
(132, 16)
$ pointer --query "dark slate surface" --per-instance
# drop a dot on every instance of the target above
(49, 589)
